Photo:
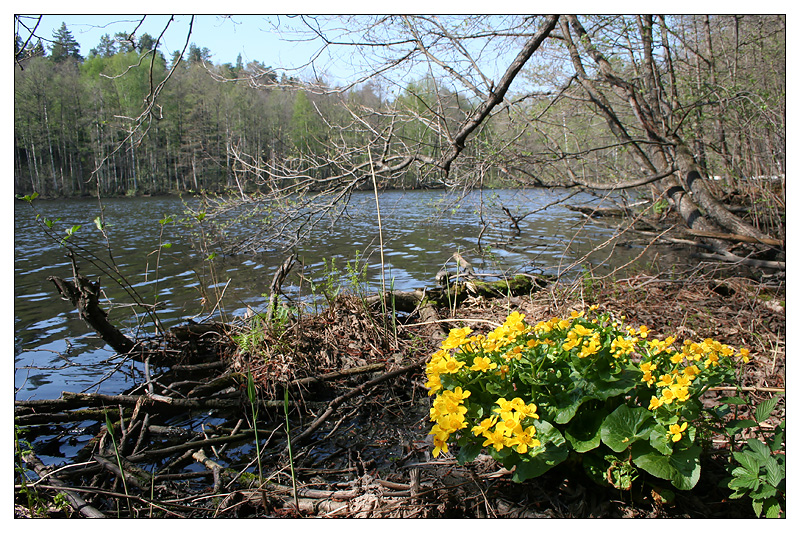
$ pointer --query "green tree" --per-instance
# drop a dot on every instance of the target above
(107, 47)
(146, 42)
(64, 45)
(197, 55)
(305, 127)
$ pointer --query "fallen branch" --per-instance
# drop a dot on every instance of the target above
(74, 499)
(728, 257)
(133, 475)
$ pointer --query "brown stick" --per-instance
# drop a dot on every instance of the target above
(339, 374)
(779, 390)
(133, 475)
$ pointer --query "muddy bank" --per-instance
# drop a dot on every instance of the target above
(357, 412)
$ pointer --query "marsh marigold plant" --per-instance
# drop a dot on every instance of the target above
(531, 395)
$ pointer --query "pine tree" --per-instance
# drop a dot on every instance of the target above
(106, 48)
(64, 45)
(146, 43)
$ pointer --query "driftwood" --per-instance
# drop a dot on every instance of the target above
(599, 211)
(85, 296)
(417, 300)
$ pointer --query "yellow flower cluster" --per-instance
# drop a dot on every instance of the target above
(469, 372)
(448, 413)
(674, 385)
(442, 362)
(505, 429)
(504, 335)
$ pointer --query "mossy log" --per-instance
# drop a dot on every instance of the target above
(410, 301)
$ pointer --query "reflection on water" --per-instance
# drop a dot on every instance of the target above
(54, 351)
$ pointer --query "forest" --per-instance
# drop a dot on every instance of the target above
(76, 129)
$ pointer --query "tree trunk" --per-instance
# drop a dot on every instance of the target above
(694, 182)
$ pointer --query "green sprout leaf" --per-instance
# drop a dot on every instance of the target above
(765, 409)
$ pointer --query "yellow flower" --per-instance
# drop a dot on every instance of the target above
(515, 322)
(452, 422)
(677, 431)
(647, 367)
(523, 439)
(744, 354)
(591, 347)
(458, 395)
(643, 331)
(434, 384)
(484, 426)
(482, 364)
(456, 338)
(572, 341)
(667, 396)
(655, 403)
(691, 372)
(495, 438)
(449, 365)
(510, 422)
(677, 358)
(726, 351)
(681, 393)
(439, 441)
(665, 380)
(682, 381)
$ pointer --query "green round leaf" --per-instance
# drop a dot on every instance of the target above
(682, 468)
(625, 426)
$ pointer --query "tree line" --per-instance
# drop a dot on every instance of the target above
(76, 130)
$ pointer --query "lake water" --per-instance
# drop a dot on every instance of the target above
(55, 351)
